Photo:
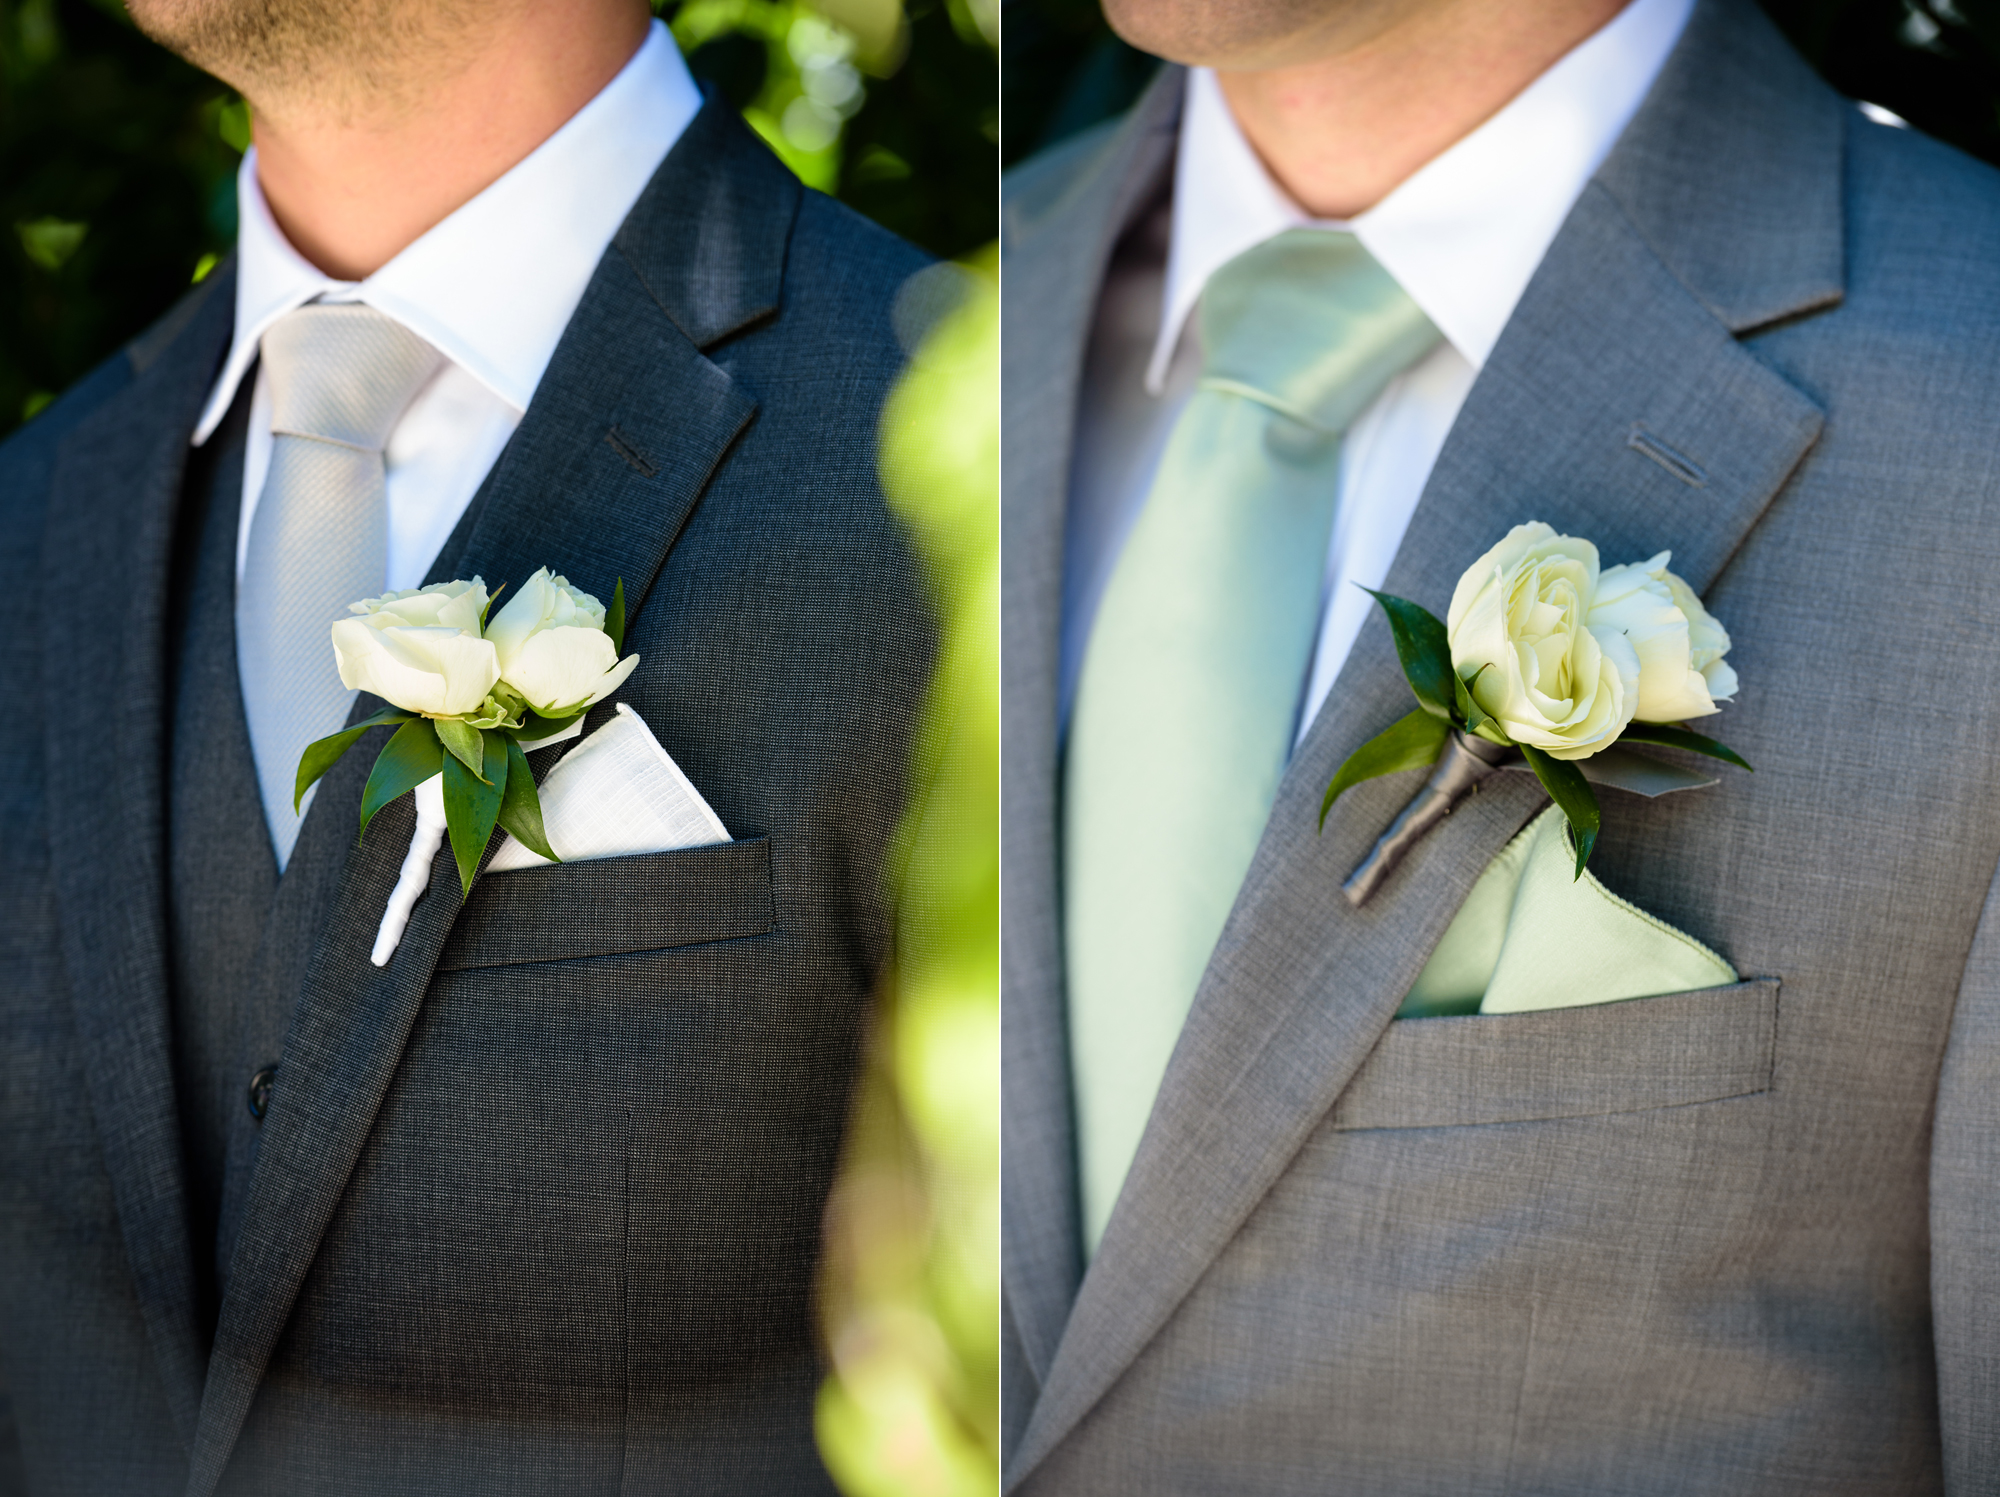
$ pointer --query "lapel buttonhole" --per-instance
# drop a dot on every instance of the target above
(644, 466)
(1683, 467)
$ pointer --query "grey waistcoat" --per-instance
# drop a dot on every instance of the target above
(221, 874)
(235, 952)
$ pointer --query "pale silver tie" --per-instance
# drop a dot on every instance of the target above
(340, 378)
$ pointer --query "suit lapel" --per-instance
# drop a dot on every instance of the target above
(1618, 405)
(107, 797)
(1058, 243)
(629, 423)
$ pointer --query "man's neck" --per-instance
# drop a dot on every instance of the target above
(352, 184)
(1340, 133)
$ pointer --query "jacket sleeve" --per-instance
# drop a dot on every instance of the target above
(1965, 1221)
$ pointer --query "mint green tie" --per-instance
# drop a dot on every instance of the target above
(1188, 698)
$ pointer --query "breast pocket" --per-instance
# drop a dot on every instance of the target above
(1570, 1062)
(615, 906)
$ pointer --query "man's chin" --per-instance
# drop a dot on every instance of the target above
(250, 44)
(1251, 35)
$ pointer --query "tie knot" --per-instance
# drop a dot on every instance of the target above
(1309, 324)
(343, 373)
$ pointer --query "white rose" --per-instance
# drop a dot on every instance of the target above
(420, 650)
(1708, 641)
(1553, 679)
(553, 649)
(1667, 626)
(451, 605)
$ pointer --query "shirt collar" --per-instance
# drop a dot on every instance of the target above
(493, 285)
(1464, 234)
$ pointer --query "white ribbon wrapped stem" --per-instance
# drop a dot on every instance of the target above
(424, 844)
(416, 875)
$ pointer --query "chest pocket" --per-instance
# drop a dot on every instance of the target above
(1568, 1062)
(614, 906)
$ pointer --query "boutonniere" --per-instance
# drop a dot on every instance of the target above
(468, 698)
(1549, 664)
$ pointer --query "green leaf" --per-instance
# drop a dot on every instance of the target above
(614, 617)
(1570, 790)
(491, 598)
(322, 755)
(1425, 651)
(464, 742)
(1472, 717)
(1671, 736)
(537, 727)
(409, 758)
(1411, 742)
(471, 807)
(521, 805)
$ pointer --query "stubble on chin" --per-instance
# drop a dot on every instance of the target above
(1253, 34)
(349, 57)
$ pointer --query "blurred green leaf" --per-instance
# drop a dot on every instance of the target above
(98, 126)
(35, 34)
(913, 1276)
(49, 242)
(232, 123)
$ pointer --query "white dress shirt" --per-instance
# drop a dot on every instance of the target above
(1462, 236)
(491, 287)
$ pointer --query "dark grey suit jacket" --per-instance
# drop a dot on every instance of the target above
(1745, 1240)
(536, 1207)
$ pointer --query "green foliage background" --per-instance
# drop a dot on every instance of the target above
(118, 160)
(910, 1288)
(1934, 62)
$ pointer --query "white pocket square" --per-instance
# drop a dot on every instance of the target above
(616, 794)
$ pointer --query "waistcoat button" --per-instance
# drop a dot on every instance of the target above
(260, 1092)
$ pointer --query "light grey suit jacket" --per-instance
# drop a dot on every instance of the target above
(1742, 1240)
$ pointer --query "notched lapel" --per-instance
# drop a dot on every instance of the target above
(110, 528)
(707, 238)
(622, 441)
(626, 430)
(1617, 406)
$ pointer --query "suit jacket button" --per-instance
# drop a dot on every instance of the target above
(260, 1092)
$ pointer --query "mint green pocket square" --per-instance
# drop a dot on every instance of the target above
(1531, 936)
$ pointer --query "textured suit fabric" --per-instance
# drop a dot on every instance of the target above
(536, 1207)
(1738, 1240)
